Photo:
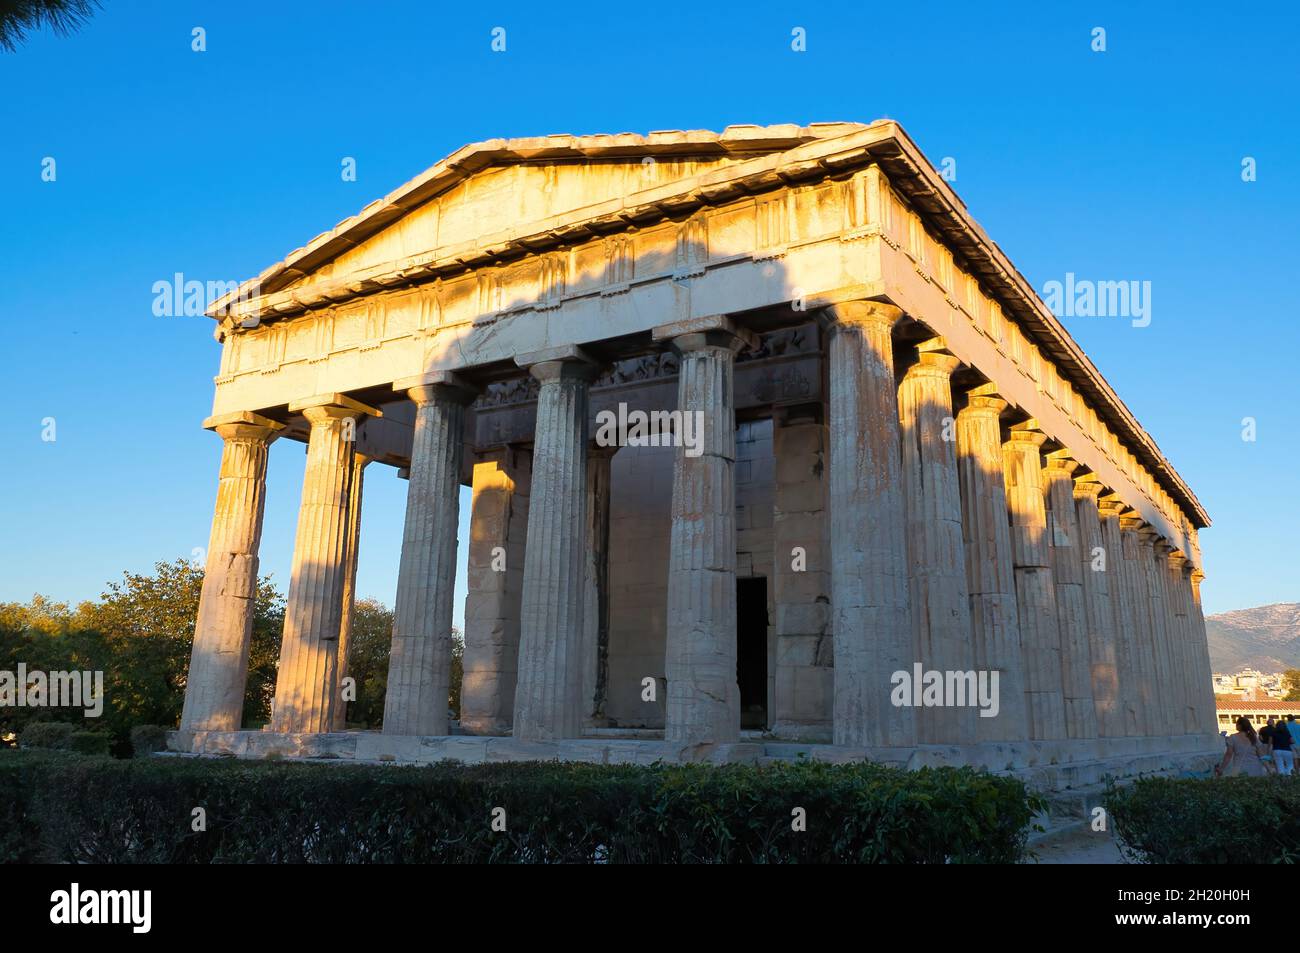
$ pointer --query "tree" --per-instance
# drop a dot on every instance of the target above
(372, 637)
(139, 635)
(1291, 684)
(20, 17)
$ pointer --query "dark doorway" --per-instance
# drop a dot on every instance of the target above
(751, 651)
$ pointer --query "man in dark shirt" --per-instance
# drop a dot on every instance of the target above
(1282, 749)
(1266, 747)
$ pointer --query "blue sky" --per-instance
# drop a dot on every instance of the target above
(1122, 165)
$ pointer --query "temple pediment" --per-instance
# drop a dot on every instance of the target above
(507, 188)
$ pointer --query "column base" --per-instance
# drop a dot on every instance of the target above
(1044, 765)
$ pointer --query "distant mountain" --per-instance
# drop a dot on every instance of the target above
(1266, 638)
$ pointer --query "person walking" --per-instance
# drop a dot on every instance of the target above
(1283, 746)
(1266, 746)
(1242, 757)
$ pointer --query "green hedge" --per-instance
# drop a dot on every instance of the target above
(146, 739)
(1208, 821)
(47, 734)
(65, 736)
(96, 810)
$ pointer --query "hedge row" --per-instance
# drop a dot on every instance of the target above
(1208, 821)
(64, 736)
(59, 807)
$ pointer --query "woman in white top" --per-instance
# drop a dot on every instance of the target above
(1242, 757)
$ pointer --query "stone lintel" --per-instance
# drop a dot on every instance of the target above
(336, 402)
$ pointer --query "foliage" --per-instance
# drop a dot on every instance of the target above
(1291, 684)
(372, 636)
(89, 742)
(1208, 821)
(20, 17)
(47, 734)
(139, 635)
(146, 739)
(95, 810)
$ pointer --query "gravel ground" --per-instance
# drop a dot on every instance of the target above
(1083, 846)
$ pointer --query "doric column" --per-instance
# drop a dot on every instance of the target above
(1182, 641)
(1178, 695)
(869, 584)
(700, 660)
(990, 572)
(1167, 715)
(498, 529)
(1140, 636)
(1040, 639)
(1097, 572)
(932, 497)
(359, 462)
(801, 571)
(419, 664)
(595, 644)
(1122, 625)
(1207, 719)
(305, 688)
(1071, 611)
(548, 694)
(214, 693)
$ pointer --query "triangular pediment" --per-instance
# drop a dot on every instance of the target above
(503, 185)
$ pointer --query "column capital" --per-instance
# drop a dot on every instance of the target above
(855, 313)
(1177, 560)
(1061, 461)
(1110, 508)
(985, 399)
(244, 425)
(333, 407)
(715, 330)
(1027, 432)
(423, 388)
(1088, 487)
(933, 359)
(1197, 576)
(565, 362)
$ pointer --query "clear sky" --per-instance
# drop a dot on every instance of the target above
(1116, 165)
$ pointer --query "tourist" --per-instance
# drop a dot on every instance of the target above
(1266, 747)
(1293, 728)
(1242, 759)
(1282, 747)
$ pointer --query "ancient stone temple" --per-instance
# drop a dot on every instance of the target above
(773, 452)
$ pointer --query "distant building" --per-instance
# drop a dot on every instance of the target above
(1229, 708)
(1249, 683)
